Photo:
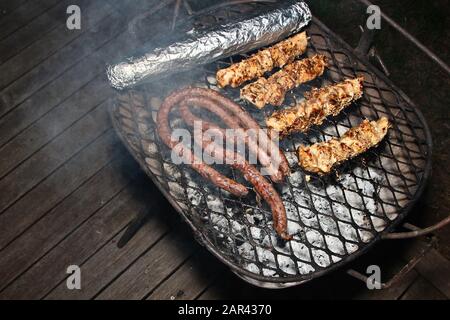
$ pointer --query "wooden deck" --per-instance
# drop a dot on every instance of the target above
(69, 189)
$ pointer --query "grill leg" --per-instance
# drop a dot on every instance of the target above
(403, 271)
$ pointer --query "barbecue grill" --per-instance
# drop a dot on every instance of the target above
(335, 218)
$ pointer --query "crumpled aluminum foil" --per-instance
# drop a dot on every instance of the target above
(203, 47)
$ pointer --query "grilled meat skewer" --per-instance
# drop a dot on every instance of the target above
(263, 61)
(273, 90)
(318, 104)
(321, 157)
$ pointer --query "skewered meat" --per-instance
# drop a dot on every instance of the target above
(263, 61)
(218, 104)
(321, 157)
(273, 90)
(318, 104)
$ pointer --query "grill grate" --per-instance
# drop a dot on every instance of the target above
(333, 218)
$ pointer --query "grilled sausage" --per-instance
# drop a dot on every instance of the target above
(270, 195)
(252, 175)
(213, 100)
(250, 140)
(246, 121)
(203, 169)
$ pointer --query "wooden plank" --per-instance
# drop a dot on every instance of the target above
(64, 218)
(63, 87)
(84, 242)
(23, 15)
(109, 262)
(33, 31)
(433, 266)
(47, 128)
(28, 58)
(404, 253)
(214, 292)
(8, 6)
(436, 269)
(421, 289)
(43, 163)
(28, 112)
(50, 192)
(68, 57)
(150, 269)
(229, 286)
(51, 68)
(191, 279)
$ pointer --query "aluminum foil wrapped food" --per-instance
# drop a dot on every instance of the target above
(205, 46)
